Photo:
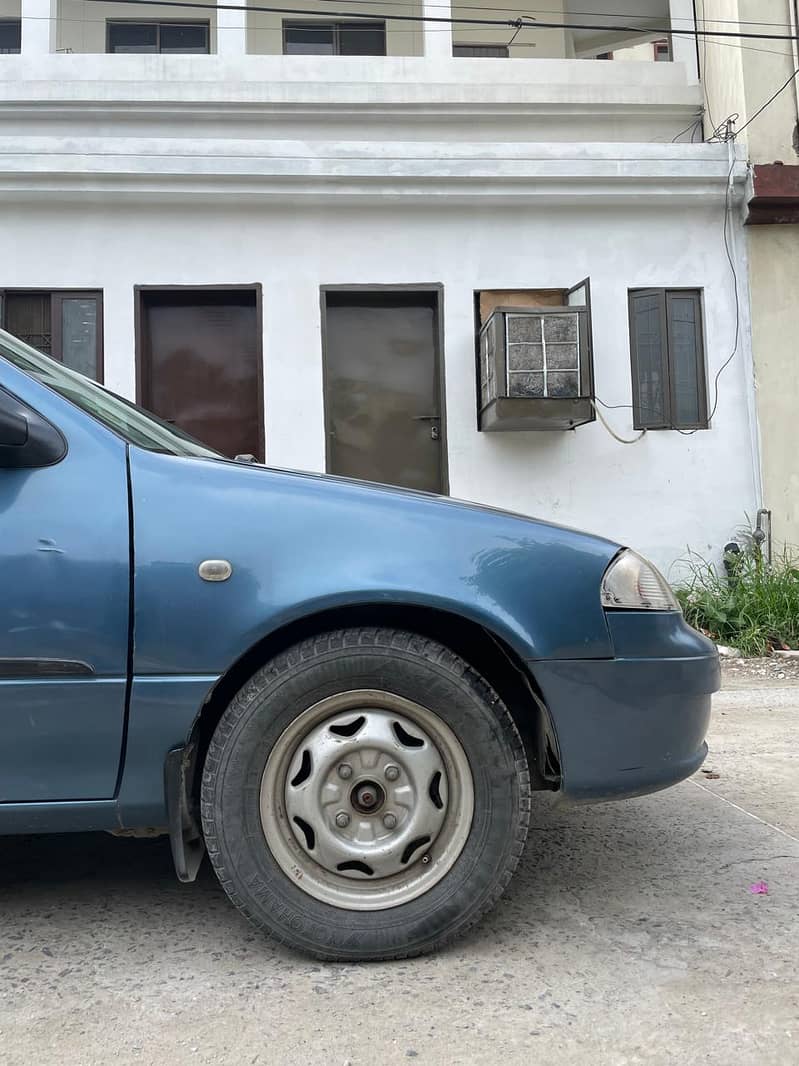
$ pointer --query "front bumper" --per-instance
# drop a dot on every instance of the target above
(635, 723)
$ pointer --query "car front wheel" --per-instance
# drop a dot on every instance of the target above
(365, 796)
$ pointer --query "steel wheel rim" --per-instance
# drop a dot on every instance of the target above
(404, 773)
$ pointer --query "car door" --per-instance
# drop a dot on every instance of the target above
(64, 606)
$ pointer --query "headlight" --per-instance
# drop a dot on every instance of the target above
(632, 583)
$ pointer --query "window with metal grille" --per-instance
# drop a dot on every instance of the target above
(311, 37)
(10, 36)
(168, 38)
(534, 358)
(65, 325)
(668, 359)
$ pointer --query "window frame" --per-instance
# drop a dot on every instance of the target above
(158, 23)
(57, 297)
(335, 25)
(17, 23)
(664, 297)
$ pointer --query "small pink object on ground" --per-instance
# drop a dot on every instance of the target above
(759, 888)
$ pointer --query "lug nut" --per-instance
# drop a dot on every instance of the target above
(392, 773)
(389, 820)
(345, 771)
(342, 819)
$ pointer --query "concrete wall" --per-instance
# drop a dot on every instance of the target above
(527, 43)
(774, 271)
(742, 79)
(663, 494)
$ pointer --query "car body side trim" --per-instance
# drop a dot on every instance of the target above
(21, 669)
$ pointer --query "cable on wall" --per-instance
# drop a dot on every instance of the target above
(611, 430)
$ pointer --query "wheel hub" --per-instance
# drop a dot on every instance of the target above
(398, 774)
(360, 810)
(367, 797)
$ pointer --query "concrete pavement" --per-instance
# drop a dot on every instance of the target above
(628, 936)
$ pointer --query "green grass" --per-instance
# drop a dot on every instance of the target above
(754, 609)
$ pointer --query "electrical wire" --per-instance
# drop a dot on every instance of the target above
(731, 356)
(451, 20)
(611, 430)
(697, 122)
(518, 23)
(770, 100)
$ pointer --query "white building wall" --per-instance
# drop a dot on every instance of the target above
(301, 171)
(664, 494)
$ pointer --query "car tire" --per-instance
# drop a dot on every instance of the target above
(365, 796)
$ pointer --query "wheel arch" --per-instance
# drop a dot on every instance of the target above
(486, 652)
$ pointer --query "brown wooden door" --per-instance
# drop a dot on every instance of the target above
(382, 388)
(200, 361)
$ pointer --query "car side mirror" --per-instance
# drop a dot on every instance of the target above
(26, 439)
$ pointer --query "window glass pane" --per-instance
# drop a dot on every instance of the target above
(578, 297)
(132, 37)
(362, 38)
(649, 344)
(184, 38)
(27, 316)
(10, 36)
(79, 334)
(308, 39)
(488, 364)
(683, 312)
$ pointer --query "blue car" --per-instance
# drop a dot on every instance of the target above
(344, 693)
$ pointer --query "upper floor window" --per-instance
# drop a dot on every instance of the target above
(65, 325)
(481, 51)
(172, 38)
(662, 50)
(10, 36)
(310, 37)
(668, 359)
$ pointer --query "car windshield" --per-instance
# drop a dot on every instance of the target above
(124, 418)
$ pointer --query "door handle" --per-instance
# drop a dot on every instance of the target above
(435, 429)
